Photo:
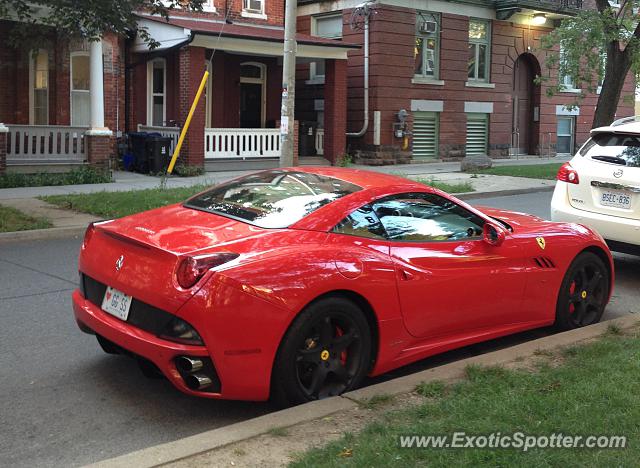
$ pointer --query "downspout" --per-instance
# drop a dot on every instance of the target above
(365, 124)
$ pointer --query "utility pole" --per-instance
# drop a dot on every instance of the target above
(287, 124)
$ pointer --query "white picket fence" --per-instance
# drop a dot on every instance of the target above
(29, 144)
(171, 132)
(241, 143)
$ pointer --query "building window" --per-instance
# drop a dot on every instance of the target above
(479, 50)
(253, 8)
(327, 26)
(425, 135)
(427, 47)
(80, 90)
(477, 133)
(253, 95)
(566, 81)
(39, 97)
(157, 92)
(566, 135)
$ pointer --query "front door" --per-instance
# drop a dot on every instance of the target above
(522, 117)
(250, 105)
(449, 280)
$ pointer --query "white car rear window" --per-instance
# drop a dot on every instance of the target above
(614, 148)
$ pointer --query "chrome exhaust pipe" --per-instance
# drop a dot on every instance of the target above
(187, 364)
(197, 381)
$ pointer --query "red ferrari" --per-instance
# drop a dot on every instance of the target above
(297, 283)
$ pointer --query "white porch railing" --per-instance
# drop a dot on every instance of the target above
(320, 141)
(171, 132)
(241, 143)
(29, 144)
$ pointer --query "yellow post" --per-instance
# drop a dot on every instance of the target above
(176, 151)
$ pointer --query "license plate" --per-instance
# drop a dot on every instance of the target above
(116, 303)
(616, 199)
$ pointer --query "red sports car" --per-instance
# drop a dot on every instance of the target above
(297, 283)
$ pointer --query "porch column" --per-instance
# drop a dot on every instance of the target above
(4, 132)
(192, 67)
(100, 145)
(335, 109)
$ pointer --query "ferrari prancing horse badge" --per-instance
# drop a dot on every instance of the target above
(541, 242)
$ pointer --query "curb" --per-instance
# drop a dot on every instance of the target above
(42, 234)
(504, 193)
(217, 438)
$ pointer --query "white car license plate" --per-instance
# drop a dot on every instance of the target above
(616, 199)
(116, 303)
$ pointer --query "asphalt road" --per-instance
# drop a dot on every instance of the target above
(65, 403)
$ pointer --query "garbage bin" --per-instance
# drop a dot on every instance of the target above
(137, 144)
(158, 153)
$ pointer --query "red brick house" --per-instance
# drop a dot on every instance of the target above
(60, 107)
(462, 70)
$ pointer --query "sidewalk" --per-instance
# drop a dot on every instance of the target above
(68, 223)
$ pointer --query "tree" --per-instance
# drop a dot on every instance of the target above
(597, 47)
(85, 18)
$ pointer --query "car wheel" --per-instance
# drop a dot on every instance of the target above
(325, 352)
(583, 293)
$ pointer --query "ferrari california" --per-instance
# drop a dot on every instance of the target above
(297, 283)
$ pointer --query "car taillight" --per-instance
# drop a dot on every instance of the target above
(88, 234)
(568, 174)
(191, 269)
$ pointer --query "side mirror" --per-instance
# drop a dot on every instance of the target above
(493, 234)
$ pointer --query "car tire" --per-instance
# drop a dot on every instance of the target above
(584, 292)
(325, 352)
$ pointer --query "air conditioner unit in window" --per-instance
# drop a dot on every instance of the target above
(428, 27)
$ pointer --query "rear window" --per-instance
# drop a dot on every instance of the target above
(614, 148)
(272, 199)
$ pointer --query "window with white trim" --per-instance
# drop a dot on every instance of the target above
(255, 7)
(157, 92)
(479, 50)
(80, 90)
(565, 80)
(427, 46)
(39, 78)
(329, 27)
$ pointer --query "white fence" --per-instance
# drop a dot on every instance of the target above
(171, 132)
(241, 143)
(320, 141)
(29, 144)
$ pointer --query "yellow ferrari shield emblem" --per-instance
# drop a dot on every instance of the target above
(541, 242)
(324, 355)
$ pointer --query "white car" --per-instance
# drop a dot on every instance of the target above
(600, 186)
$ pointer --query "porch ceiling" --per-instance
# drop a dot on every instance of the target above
(250, 40)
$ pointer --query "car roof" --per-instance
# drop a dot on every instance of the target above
(627, 125)
(363, 178)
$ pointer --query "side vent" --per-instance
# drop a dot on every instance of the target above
(544, 262)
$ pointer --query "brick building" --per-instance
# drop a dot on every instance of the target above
(462, 70)
(61, 105)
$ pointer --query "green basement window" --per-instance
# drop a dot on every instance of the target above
(425, 135)
(477, 133)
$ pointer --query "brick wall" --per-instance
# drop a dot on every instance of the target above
(274, 11)
(392, 43)
(192, 66)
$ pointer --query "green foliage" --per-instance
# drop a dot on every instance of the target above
(118, 204)
(598, 46)
(376, 401)
(345, 160)
(449, 187)
(532, 171)
(81, 175)
(86, 18)
(432, 389)
(183, 170)
(15, 220)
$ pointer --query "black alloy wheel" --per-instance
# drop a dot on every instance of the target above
(326, 352)
(584, 292)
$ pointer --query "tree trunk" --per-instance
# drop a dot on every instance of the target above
(618, 65)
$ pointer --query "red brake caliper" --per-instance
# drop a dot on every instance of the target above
(572, 290)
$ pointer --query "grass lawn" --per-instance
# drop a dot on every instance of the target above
(588, 390)
(118, 204)
(533, 171)
(15, 220)
(462, 187)
(81, 175)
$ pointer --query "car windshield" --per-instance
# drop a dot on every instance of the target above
(614, 148)
(272, 199)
